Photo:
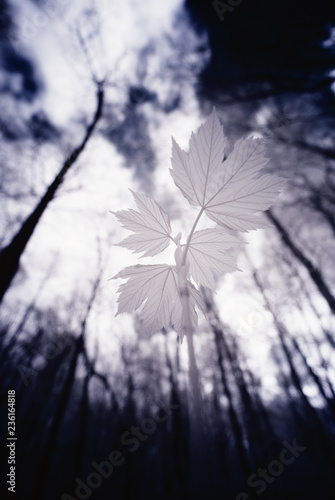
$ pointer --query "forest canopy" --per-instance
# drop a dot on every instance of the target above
(91, 94)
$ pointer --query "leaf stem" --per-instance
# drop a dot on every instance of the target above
(172, 239)
(190, 236)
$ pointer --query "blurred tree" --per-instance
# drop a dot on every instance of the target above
(10, 255)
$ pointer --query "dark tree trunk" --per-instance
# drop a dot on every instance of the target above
(40, 480)
(312, 413)
(313, 271)
(244, 458)
(316, 202)
(11, 254)
(178, 444)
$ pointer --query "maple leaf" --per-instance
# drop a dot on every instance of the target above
(207, 253)
(157, 286)
(230, 192)
(241, 192)
(194, 172)
(151, 226)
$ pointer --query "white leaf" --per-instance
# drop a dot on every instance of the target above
(230, 192)
(193, 172)
(150, 224)
(207, 253)
(240, 192)
(157, 285)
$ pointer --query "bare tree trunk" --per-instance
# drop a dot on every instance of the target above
(244, 457)
(313, 271)
(296, 379)
(79, 348)
(40, 480)
(310, 370)
(178, 461)
(316, 202)
(327, 334)
(11, 254)
(235, 422)
(198, 434)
